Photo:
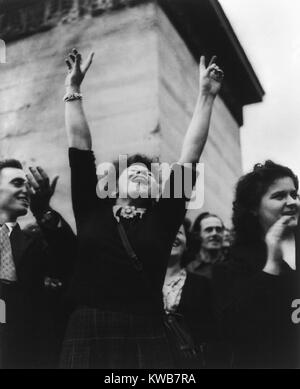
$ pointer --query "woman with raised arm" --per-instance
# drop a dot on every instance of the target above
(124, 243)
(256, 287)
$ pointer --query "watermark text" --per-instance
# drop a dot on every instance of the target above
(296, 313)
(141, 181)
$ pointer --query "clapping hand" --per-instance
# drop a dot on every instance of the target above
(273, 241)
(40, 189)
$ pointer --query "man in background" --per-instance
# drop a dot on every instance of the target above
(207, 244)
(29, 338)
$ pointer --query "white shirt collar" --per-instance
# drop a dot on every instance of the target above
(11, 226)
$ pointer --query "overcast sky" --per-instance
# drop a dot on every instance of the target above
(269, 31)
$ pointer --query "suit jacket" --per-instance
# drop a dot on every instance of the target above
(33, 330)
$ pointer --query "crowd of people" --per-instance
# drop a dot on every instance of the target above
(140, 285)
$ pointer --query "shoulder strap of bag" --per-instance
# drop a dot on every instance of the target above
(132, 255)
(135, 261)
(183, 338)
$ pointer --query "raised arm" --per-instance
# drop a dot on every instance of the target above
(78, 131)
(60, 239)
(210, 80)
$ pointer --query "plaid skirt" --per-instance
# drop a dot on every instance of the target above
(98, 339)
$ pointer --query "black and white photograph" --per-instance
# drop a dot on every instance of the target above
(149, 190)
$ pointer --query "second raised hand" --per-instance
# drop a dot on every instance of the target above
(210, 77)
(77, 69)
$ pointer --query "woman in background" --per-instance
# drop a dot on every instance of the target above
(189, 295)
(256, 287)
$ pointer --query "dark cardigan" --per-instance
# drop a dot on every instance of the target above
(254, 310)
(104, 277)
(196, 306)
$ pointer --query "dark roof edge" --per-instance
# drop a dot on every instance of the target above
(204, 27)
(237, 45)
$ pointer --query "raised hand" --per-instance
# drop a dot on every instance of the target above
(210, 77)
(40, 190)
(76, 69)
(273, 241)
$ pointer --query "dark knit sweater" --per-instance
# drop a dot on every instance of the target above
(104, 276)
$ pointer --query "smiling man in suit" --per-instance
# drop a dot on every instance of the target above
(28, 339)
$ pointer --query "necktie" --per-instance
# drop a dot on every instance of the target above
(7, 266)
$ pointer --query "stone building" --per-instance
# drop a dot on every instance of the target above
(139, 94)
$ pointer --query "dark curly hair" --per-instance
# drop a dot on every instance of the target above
(249, 191)
(186, 257)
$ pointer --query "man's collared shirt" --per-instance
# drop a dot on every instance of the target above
(10, 226)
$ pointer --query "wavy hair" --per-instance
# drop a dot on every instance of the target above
(249, 191)
(187, 255)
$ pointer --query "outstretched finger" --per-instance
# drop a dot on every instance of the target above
(72, 57)
(213, 60)
(53, 184)
(68, 64)
(202, 62)
(38, 178)
(31, 182)
(43, 174)
(29, 189)
(88, 62)
(77, 61)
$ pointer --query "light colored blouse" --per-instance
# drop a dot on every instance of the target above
(172, 291)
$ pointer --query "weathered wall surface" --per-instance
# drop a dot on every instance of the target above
(178, 75)
(139, 96)
(120, 92)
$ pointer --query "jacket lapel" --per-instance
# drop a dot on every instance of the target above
(19, 244)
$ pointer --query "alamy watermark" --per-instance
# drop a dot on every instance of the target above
(180, 186)
(2, 51)
(2, 312)
(296, 313)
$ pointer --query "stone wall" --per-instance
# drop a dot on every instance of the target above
(139, 96)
